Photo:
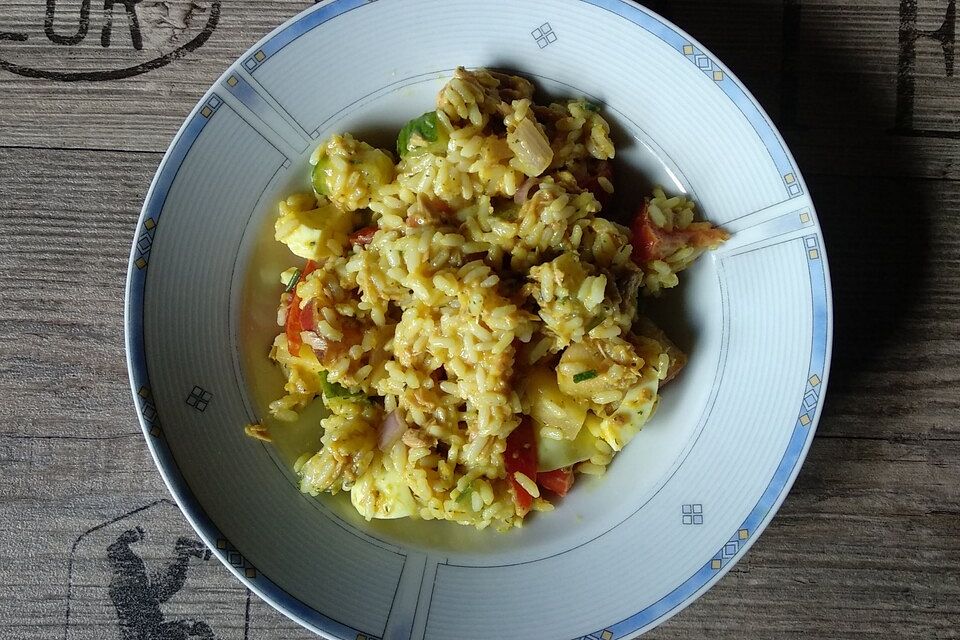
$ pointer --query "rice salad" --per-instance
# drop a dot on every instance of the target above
(467, 313)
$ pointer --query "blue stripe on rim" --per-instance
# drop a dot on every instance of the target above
(682, 595)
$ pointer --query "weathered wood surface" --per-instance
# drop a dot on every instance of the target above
(867, 544)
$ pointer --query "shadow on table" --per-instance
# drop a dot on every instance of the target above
(835, 106)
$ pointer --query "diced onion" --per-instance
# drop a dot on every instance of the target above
(531, 148)
(390, 431)
(524, 191)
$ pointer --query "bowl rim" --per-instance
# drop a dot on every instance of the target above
(287, 604)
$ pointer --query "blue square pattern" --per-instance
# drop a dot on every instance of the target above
(794, 189)
(199, 398)
(544, 35)
(250, 64)
(730, 549)
(810, 400)
(215, 102)
(811, 242)
(691, 514)
(703, 62)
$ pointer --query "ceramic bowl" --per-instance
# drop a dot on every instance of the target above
(620, 554)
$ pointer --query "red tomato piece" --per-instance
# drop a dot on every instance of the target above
(362, 236)
(559, 480)
(294, 316)
(521, 455)
(293, 328)
(650, 242)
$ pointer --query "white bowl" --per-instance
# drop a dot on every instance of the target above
(620, 554)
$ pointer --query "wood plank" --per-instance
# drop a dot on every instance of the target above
(142, 112)
(65, 237)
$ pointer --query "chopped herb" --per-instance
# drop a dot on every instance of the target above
(593, 324)
(584, 376)
(336, 390)
(294, 279)
(589, 106)
(466, 492)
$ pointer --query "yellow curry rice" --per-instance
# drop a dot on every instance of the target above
(468, 314)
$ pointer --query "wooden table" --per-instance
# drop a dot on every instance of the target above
(867, 544)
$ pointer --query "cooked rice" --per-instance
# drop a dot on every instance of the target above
(484, 287)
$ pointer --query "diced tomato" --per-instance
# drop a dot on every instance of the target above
(521, 455)
(294, 322)
(362, 236)
(293, 328)
(559, 480)
(650, 242)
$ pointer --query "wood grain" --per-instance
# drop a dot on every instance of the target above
(866, 545)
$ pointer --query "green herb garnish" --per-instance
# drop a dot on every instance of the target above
(584, 376)
(589, 106)
(336, 390)
(594, 323)
(294, 279)
(466, 492)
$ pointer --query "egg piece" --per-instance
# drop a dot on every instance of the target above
(381, 492)
(315, 234)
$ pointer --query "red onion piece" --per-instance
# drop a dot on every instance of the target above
(316, 342)
(308, 316)
(524, 191)
(390, 431)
